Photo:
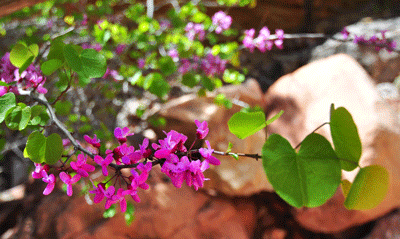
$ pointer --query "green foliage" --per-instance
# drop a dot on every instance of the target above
(129, 213)
(7, 102)
(243, 124)
(22, 56)
(307, 178)
(345, 138)
(19, 117)
(368, 189)
(156, 85)
(50, 66)
(40, 149)
(110, 212)
(221, 99)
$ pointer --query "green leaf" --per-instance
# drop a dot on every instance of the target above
(156, 85)
(167, 65)
(129, 213)
(27, 63)
(19, 117)
(50, 66)
(54, 149)
(19, 55)
(34, 50)
(93, 63)
(56, 50)
(35, 147)
(308, 178)
(230, 145)
(108, 213)
(346, 185)
(368, 189)
(235, 156)
(190, 80)
(7, 102)
(207, 83)
(25, 117)
(275, 117)
(72, 58)
(244, 124)
(63, 107)
(345, 138)
(36, 112)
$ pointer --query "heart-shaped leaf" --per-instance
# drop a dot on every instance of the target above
(308, 178)
(345, 138)
(243, 124)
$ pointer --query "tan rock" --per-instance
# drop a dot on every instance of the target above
(305, 96)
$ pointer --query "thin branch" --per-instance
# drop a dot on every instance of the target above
(311, 133)
(255, 156)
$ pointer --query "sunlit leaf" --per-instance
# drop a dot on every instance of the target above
(345, 138)
(244, 124)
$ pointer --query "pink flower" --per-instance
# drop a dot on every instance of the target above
(99, 192)
(141, 63)
(194, 173)
(202, 129)
(142, 152)
(50, 180)
(114, 198)
(125, 153)
(81, 167)
(175, 171)
(68, 180)
(121, 134)
(95, 142)
(207, 154)
(172, 143)
(221, 21)
(193, 29)
(104, 162)
(248, 39)
(120, 49)
(37, 173)
(85, 20)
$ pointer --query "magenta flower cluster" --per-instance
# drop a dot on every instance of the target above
(211, 65)
(264, 40)
(379, 43)
(195, 29)
(177, 162)
(221, 21)
(31, 78)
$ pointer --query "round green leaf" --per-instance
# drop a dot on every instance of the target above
(19, 117)
(72, 58)
(156, 85)
(167, 65)
(54, 149)
(308, 178)
(50, 66)
(7, 102)
(93, 63)
(190, 80)
(345, 138)
(56, 50)
(35, 147)
(243, 124)
(19, 55)
(368, 189)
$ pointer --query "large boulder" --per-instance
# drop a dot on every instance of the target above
(306, 96)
